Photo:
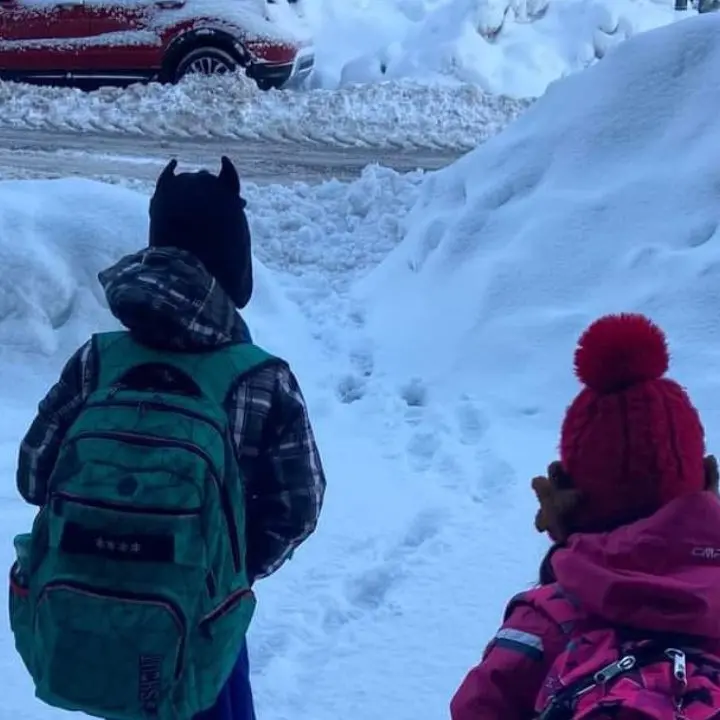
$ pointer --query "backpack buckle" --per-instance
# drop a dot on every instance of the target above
(601, 677)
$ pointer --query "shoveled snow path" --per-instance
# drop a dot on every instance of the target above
(120, 157)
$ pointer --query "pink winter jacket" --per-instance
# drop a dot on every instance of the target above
(660, 574)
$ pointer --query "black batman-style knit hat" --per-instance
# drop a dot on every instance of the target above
(205, 215)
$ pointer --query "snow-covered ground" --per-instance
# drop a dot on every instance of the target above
(431, 319)
(388, 72)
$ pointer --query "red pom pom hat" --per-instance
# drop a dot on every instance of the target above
(631, 440)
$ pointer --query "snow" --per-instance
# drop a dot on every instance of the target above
(431, 320)
(53, 257)
(404, 114)
(510, 47)
(129, 38)
(409, 73)
(517, 219)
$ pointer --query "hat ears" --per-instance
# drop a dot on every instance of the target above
(557, 499)
(228, 174)
(167, 173)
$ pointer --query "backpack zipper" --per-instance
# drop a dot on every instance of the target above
(133, 438)
(225, 606)
(172, 607)
(124, 507)
(158, 405)
(560, 705)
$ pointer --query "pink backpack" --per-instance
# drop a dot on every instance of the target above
(607, 672)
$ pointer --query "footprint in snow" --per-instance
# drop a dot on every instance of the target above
(495, 479)
(472, 422)
(415, 393)
(370, 589)
(363, 360)
(422, 448)
(426, 525)
(350, 389)
(358, 317)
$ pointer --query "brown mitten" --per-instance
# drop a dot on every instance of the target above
(557, 500)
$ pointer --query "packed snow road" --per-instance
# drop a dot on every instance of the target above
(130, 159)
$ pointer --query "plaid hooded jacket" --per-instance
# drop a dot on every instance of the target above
(167, 299)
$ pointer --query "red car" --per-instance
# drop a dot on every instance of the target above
(119, 42)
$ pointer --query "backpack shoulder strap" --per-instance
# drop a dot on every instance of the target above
(215, 372)
(552, 601)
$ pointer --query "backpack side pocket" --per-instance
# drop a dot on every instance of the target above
(21, 614)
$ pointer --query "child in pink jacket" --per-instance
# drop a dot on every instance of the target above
(633, 512)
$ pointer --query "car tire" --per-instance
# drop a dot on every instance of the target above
(207, 60)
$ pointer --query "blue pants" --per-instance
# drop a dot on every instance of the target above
(236, 700)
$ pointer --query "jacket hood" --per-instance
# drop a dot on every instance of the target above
(660, 574)
(167, 299)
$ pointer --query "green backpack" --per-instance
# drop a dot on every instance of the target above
(130, 598)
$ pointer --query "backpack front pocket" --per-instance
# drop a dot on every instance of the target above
(143, 660)
(216, 645)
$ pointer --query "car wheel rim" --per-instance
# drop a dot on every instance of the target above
(208, 66)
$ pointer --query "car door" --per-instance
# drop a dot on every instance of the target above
(124, 42)
(40, 38)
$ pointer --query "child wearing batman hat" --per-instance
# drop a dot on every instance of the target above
(181, 295)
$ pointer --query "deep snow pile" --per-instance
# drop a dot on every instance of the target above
(402, 114)
(50, 257)
(575, 208)
(55, 235)
(512, 47)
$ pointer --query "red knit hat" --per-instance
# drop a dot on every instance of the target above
(631, 440)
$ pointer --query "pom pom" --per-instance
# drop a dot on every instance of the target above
(618, 351)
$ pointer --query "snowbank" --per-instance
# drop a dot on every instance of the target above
(388, 115)
(309, 242)
(603, 197)
(55, 236)
(513, 47)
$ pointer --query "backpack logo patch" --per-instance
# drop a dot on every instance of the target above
(706, 553)
(149, 682)
(138, 547)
